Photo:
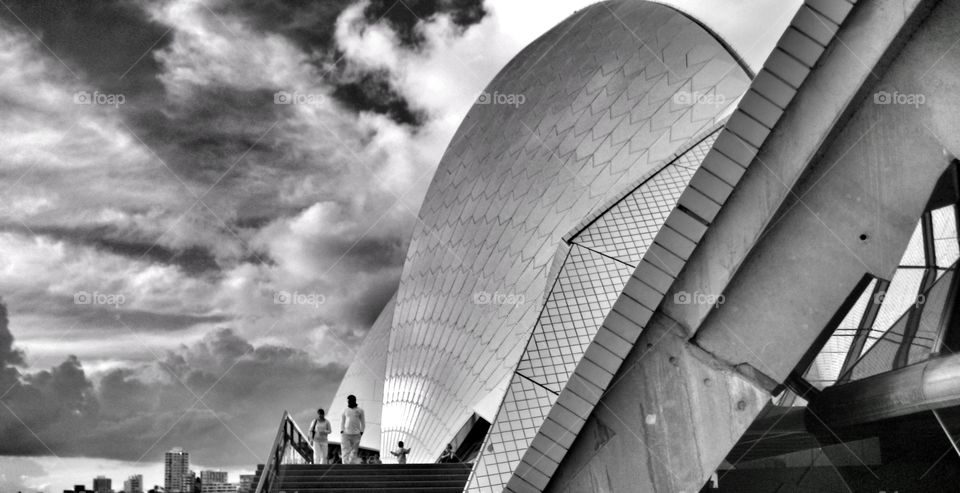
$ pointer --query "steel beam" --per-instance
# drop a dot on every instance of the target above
(933, 384)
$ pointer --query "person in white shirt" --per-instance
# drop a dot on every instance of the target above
(401, 453)
(352, 424)
(319, 429)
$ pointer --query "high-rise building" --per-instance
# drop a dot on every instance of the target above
(211, 481)
(213, 476)
(176, 471)
(102, 484)
(246, 483)
(219, 487)
(133, 484)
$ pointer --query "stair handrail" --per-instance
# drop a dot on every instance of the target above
(289, 440)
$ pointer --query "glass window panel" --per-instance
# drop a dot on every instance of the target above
(826, 367)
(929, 328)
(880, 357)
(913, 256)
(945, 236)
(900, 295)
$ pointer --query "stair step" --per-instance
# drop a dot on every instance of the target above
(368, 469)
(314, 479)
(370, 478)
(458, 489)
(367, 484)
(360, 477)
(439, 467)
(300, 474)
(328, 474)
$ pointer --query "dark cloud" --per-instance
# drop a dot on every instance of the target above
(194, 260)
(310, 24)
(134, 412)
(371, 91)
(203, 137)
(368, 254)
(252, 222)
(106, 42)
(120, 319)
(404, 17)
(363, 310)
(154, 321)
(9, 356)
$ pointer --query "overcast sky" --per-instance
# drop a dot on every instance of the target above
(158, 198)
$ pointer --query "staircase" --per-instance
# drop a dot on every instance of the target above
(370, 478)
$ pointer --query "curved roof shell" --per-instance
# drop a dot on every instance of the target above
(586, 110)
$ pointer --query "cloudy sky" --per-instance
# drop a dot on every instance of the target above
(170, 169)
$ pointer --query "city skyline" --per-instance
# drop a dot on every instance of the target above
(150, 475)
(134, 483)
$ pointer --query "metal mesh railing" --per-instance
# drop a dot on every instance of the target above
(289, 447)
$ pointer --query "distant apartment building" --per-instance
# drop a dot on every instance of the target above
(133, 484)
(102, 484)
(177, 477)
(214, 481)
(218, 487)
(211, 477)
(246, 483)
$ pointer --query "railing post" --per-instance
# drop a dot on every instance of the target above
(288, 437)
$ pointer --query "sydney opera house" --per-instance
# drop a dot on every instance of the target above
(669, 270)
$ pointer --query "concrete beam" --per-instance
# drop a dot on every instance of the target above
(830, 89)
(658, 426)
(852, 213)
